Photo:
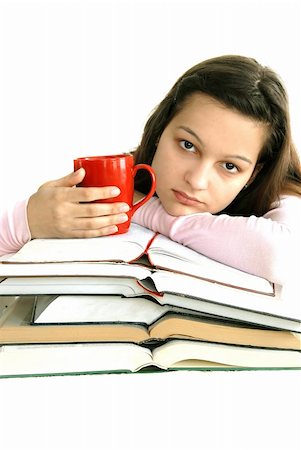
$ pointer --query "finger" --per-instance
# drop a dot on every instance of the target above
(90, 194)
(96, 223)
(105, 231)
(72, 179)
(85, 210)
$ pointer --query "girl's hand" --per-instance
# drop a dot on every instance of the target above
(59, 209)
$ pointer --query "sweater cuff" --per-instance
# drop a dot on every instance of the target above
(22, 227)
(14, 229)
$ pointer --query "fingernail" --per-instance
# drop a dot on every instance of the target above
(115, 191)
(112, 229)
(122, 218)
(124, 208)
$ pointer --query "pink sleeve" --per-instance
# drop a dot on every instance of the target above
(264, 246)
(14, 230)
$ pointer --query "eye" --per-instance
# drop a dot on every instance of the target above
(230, 167)
(186, 145)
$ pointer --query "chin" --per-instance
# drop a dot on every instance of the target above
(171, 209)
(179, 210)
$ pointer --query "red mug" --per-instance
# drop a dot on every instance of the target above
(115, 170)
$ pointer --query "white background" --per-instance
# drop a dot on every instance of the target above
(79, 78)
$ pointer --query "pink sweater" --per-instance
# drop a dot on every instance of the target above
(267, 246)
(14, 230)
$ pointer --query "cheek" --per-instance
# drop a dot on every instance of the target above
(160, 166)
(232, 191)
(227, 190)
(155, 159)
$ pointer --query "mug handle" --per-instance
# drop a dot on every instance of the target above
(153, 187)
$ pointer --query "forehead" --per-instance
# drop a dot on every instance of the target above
(200, 102)
(203, 111)
(220, 126)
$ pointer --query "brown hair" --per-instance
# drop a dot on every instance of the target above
(255, 91)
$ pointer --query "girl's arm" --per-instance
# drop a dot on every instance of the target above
(14, 230)
(59, 210)
(264, 246)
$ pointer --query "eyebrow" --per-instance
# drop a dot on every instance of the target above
(190, 131)
(243, 158)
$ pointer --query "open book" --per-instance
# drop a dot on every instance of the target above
(113, 265)
(50, 257)
(172, 288)
(43, 359)
(82, 318)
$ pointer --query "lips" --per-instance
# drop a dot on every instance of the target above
(186, 199)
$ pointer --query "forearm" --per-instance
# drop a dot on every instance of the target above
(262, 246)
(14, 230)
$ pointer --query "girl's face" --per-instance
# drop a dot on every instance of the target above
(205, 157)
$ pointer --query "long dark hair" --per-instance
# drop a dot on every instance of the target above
(240, 83)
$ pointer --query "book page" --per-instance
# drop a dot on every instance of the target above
(71, 358)
(175, 351)
(287, 307)
(123, 247)
(128, 287)
(7, 303)
(68, 269)
(167, 254)
(219, 331)
(97, 309)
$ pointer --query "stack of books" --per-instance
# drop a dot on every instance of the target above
(138, 302)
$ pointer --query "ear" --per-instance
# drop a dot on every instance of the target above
(256, 171)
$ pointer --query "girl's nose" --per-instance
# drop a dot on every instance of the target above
(198, 176)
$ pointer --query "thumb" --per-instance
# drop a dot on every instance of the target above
(69, 180)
